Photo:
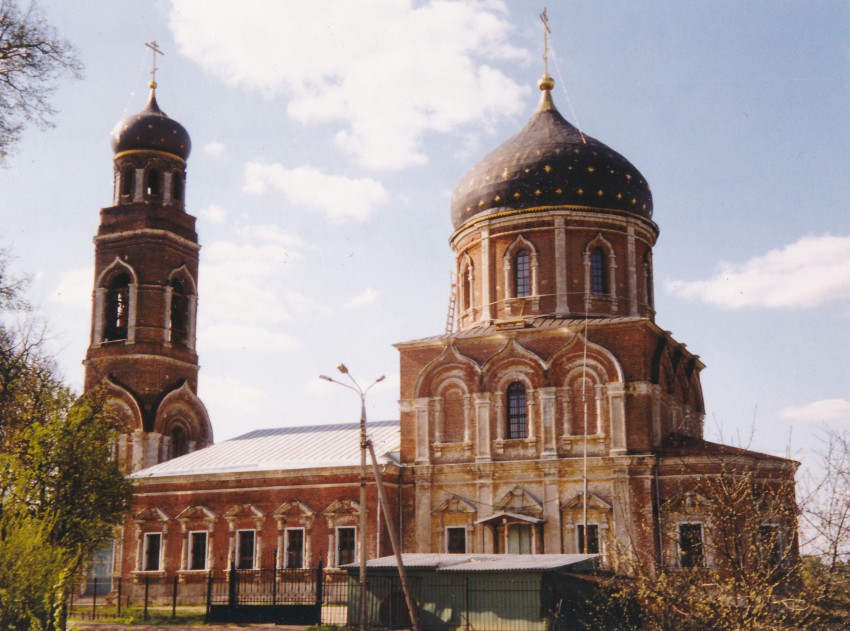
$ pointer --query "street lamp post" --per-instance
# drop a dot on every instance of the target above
(362, 537)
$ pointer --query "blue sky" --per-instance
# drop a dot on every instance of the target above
(327, 139)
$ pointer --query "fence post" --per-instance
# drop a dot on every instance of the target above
(119, 594)
(147, 590)
(94, 599)
(274, 578)
(174, 599)
(320, 586)
(233, 590)
(466, 598)
(209, 594)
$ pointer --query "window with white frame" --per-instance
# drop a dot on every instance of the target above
(591, 541)
(691, 547)
(152, 552)
(346, 545)
(456, 539)
(294, 546)
(522, 274)
(598, 272)
(198, 542)
(517, 413)
(245, 546)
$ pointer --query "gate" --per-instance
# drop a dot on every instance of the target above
(278, 596)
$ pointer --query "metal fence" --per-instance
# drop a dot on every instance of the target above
(461, 602)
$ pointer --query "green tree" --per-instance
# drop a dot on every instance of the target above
(32, 58)
(61, 492)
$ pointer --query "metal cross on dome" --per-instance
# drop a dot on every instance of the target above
(154, 52)
(544, 17)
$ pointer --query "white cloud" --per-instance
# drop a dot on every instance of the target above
(808, 273)
(364, 298)
(214, 148)
(386, 71)
(339, 198)
(213, 213)
(230, 336)
(74, 287)
(226, 393)
(824, 411)
(236, 276)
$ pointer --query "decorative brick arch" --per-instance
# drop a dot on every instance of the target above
(119, 404)
(182, 409)
(452, 363)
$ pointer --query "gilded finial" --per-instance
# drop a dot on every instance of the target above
(154, 52)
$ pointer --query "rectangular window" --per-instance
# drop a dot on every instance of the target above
(245, 550)
(345, 545)
(691, 552)
(592, 539)
(294, 548)
(198, 550)
(456, 540)
(517, 411)
(151, 553)
(519, 538)
(523, 274)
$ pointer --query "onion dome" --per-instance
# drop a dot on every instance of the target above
(550, 164)
(151, 130)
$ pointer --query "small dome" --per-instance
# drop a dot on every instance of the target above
(550, 164)
(151, 129)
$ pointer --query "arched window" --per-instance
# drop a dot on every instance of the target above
(152, 188)
(179, 442)
(177, 186)
(467, 288)
(517, 411)
(127, 182)
(598, 280)
(522, 274)
(179, 312)
(117, 309)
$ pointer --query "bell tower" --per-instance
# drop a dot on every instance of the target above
(144, 303)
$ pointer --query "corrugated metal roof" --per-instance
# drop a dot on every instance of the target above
(483, 562)
(284, 448)
(530, 323)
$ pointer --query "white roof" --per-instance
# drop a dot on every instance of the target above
(284, 448)
(483, 562)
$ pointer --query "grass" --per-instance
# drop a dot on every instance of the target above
(186, 616)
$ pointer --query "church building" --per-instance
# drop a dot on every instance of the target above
(555, 417)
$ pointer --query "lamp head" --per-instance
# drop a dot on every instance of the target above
(325, 377)
(342, 369)
(380, 379)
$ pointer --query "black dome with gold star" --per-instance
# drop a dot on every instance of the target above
(151, 129)
(550, 164)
